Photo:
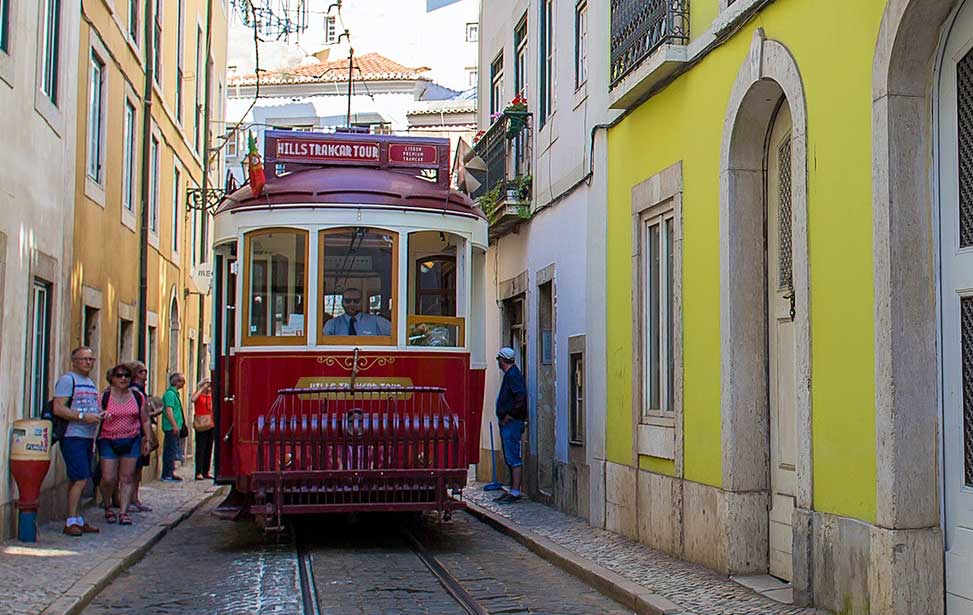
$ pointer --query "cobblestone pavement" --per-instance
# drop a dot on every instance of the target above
(208, 566)
(367, 568)
(697, 590)
(35, 575)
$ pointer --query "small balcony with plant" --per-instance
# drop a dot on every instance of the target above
(505, 193)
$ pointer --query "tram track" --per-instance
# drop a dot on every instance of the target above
(310, 598)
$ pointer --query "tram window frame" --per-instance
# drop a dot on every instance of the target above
(416, 322)
(357, 340)
(272, 340)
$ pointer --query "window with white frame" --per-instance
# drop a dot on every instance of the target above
(657, 240)
(472, 32)
(193, 236)
(133, 20)
(128, 157)
(154, 155)
(157, 43)
(176, 207)
(576, 435)
(232, 150)
(198, 105)
(581, 43)
(50, 60)
(96, 117)
(496, 84)
(471, 76)
(5, 26)
(180, 57)
(330, 30)
(547, 60)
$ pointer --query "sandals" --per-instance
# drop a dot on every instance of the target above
(138, 508)
(124, 519)
(110, 516)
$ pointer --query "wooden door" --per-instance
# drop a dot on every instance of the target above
(780, 339)
(956, 301)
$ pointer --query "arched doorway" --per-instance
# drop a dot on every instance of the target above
(955, 123)
(764, 310)
(173, 365)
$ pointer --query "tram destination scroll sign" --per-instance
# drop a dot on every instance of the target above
(298, 150)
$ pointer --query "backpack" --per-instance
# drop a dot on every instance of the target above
(60, 425)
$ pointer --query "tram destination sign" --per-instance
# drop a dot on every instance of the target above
(299, 150)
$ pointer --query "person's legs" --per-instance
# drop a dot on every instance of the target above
(170, 442)
(75, 490)
(126, 481)
(510, 436)
(204, 451)
(78, 455)
(109, 480)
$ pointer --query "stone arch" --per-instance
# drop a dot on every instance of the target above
(174, 328)
(905, 262)
(768, 74)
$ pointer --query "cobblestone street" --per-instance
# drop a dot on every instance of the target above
(361, 566)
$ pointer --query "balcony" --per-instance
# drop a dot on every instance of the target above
(647, 42)
(505, 191)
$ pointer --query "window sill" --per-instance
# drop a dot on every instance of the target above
(94, 191)
(657, 441)
(49, 111)
(580, 96)
(128, 219)
(663, 62)
(731, 16)
(6, 69)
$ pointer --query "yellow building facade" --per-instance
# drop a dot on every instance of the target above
(790, 324)
(140, 154)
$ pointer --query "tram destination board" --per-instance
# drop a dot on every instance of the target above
(302, 150)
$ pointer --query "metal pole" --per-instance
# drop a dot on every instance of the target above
(143, 315)
(351, 55)
(204, 248)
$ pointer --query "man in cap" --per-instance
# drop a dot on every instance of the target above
(512, 416)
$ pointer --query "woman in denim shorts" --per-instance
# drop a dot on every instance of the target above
(123, 431)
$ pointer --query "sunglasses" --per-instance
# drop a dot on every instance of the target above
(350, 300)
(121, 375)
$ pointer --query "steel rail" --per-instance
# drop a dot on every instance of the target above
(305, 569)
(450, 583)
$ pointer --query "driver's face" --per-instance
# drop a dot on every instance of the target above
(352, 303)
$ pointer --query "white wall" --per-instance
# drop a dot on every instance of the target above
(37, 181)
(401, 30)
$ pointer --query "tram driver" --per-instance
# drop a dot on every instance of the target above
(354, 321)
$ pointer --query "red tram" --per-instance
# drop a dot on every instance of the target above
(348, 329)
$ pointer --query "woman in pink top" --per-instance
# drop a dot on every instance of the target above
(124, 434)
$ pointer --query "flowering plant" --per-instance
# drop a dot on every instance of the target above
(518, 104)
(478, 136)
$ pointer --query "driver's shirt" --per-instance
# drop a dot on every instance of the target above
(365, 324)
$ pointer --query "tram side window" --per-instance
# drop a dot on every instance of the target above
(276, 279)
(358, 281)
(435, 278)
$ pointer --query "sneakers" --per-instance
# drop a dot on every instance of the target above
(507, 498)
(73, 530)
(171, 479)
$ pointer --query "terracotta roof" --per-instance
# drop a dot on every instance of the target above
(374, 67)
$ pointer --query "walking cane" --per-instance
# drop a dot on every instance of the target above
(494, 485)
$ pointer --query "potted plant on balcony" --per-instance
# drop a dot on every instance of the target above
(516, 113)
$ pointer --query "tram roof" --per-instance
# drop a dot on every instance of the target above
(322, 170)
(350, 186)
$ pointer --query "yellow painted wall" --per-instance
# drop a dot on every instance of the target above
(685, 123)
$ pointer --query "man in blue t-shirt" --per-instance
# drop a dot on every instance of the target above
(76, 400)
(512, 416)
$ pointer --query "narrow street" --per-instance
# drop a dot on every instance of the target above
(360, 565)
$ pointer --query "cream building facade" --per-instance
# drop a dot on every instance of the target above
(37, 95)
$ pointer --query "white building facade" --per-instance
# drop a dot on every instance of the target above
(545, 195)
(38, 89)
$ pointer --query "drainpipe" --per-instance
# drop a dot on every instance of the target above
(143, 315)
(204, 184)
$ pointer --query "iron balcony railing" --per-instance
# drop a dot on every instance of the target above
(492, 149)
(639, 27)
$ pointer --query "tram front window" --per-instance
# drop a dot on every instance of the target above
(275, 287)
(358, 278)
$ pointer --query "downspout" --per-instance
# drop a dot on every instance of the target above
(204, 183)
(143, 315)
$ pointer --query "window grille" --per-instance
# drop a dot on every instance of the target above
(964, 110)
(966, 316)
(785, 253)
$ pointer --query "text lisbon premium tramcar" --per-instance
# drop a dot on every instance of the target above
(349, 329)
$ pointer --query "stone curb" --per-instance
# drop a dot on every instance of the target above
(83, 591)
(611, 584)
